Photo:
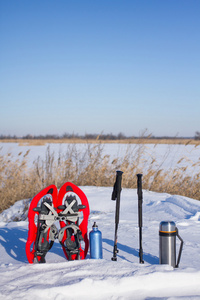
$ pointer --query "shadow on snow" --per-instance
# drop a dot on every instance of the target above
(154, 260)
(14, 242)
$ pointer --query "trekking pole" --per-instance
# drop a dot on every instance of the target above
(140, 200)
(116, 196)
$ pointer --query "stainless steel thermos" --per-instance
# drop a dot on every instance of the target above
(167, 244)
(95, 238)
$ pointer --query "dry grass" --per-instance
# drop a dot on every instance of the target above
(91, 167)
(40, 142)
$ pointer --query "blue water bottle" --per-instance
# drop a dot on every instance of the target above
(95, 237)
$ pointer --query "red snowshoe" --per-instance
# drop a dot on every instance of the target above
(40, 213)
(46, 208)
(71, 233)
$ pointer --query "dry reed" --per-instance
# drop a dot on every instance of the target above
(91, 167)
(143, 140)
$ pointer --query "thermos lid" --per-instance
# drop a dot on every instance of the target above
(167, 226)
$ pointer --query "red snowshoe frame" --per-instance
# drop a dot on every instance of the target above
(60, 214)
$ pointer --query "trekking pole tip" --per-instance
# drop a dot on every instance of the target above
(114, 258)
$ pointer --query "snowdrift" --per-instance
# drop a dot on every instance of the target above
(105, 279)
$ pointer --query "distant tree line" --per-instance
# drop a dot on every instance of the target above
(91, 136)
(87, 136)
(197, 135)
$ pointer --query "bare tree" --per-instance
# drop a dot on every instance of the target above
(197, 135)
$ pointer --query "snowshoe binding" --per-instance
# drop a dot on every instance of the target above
(46, 208)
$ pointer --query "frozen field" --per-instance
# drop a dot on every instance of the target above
(166, 156)
(104, 279)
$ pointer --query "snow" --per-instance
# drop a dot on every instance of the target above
(105, 279)
(167, 156)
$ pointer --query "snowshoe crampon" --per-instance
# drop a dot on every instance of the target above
(45, 209)
(73, 234)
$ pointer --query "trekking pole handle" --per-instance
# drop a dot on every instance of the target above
(116, 194)
(117, 186)
(140, 198)
(139, 185)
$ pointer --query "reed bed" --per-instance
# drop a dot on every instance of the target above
(140, 140)
(93, 168)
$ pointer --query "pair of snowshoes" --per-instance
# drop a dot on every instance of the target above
(50, 206)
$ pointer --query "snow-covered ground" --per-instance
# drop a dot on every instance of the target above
(105, 279)
(165, 155)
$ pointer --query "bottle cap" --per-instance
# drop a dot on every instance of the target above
(167, 226)
(95, 225)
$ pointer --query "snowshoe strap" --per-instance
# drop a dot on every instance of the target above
(69, 206)
(62, 231)
(44, 242)
(51, 208)
(46, 236)
(53, 233)
(50, 218)
(72, 242)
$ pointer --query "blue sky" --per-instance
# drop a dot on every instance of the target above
(100, 66)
